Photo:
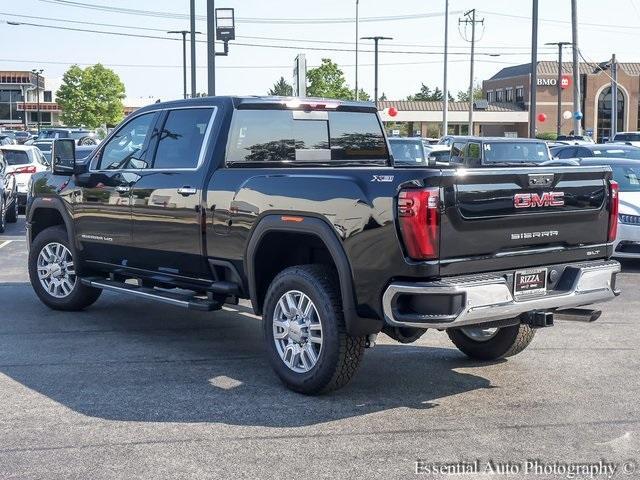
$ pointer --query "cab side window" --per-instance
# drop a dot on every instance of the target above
(567, 153)
(456, 152)
(181, 138)
(127, 149)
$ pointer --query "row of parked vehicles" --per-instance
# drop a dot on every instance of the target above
(474, 152)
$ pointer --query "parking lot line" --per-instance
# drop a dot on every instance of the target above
(5, 243)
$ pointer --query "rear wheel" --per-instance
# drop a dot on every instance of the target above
(53, 275)
(305, 333)
(491, 343)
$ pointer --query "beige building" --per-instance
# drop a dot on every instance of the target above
(512, 85)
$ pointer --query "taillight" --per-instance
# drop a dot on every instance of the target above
(419, 218)
(29, 169)
(613, 210)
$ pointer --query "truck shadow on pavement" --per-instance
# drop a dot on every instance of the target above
(129, 360)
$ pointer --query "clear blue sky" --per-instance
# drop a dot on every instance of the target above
(150, 67)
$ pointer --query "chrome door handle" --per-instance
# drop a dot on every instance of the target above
(186, 191)
(123, 189)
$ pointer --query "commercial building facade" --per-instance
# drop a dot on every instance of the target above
(19, 92)
(512, 85)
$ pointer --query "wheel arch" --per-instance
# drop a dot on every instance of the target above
(320, 231)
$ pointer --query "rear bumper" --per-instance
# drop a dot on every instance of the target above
(476, 299)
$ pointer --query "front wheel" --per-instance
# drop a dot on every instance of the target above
(491, 343)
(52, 271)
(12, 212)
(305, 333)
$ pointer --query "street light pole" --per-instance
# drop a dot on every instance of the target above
(357, 25)
(376, 39)
(184, 58)
(577, 122)
(445, 87)
(37, 74)
(534, 70)
(560, 45)
(192, 26)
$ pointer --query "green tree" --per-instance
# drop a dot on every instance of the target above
(362, 95)
(426, 94)
(463, 95)
(327, 80)
(91, 97)
(281, 88)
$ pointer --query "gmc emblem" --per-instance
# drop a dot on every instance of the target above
(533, 200)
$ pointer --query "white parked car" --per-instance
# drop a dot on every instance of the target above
(22, 162)
(630, 138)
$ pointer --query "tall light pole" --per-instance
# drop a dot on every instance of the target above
(614, 97)
(445, 87)
(357, 37)
(560, 45)
(184, 58)
(577, 122)
(38, 73)
(534, 70)
(376, 39)
(192, 27)
(470, 18)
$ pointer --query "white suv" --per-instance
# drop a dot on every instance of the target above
(23, 161)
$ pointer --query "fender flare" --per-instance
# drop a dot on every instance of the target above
(52, 203)
(320, 228)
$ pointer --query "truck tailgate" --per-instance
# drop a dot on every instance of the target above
(504, 212)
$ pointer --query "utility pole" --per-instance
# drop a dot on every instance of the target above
(184, 58)
(614, 97)
(37, 73)
(376, 40)
(534, 70)
(577, 107)
(211, 47)
(558, 84)
(470, 18)
(357, 37)
(445, 87)
(192, 18)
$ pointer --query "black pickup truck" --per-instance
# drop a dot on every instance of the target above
(295, 204)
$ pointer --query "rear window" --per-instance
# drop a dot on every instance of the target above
(300, 136)
(407, 152)
(627, 137)
(525, 152)
(14, 157)
(612, 152)
(627, 176)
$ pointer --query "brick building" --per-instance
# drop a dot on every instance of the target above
(512, 85)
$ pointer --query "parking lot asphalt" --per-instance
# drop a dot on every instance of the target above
(133, 389)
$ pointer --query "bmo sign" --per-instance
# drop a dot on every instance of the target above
(565, 82)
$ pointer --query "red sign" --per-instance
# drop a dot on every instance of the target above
(565, 81)
(533, 200)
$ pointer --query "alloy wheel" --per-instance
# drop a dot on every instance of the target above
(56, 270)
(297, 331)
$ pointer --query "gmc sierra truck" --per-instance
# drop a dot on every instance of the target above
(296, 205)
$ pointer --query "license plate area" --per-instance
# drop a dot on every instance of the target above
(530, 282)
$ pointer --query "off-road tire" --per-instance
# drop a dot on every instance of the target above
(340, 354)
(404, 334)
(507, 342)
(80, 297)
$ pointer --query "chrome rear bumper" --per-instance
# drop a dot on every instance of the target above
(476, 299)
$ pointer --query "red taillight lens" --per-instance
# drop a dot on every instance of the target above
(419, 217)
(613, 210)
(29, 169)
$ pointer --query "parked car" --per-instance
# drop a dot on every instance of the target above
(408, 151)
(81, 136)
(22, 162)
(8, 196)
(7, 139)
(627, 173)
(437, 154)
(449, 139)
(472, 152)
(630, 138)
(596, 150)
(574, 139)
(22, 136)
(294, 204)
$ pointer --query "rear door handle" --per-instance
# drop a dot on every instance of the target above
(123, 189)
(186, 191)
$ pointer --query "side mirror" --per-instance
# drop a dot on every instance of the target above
(63, 156)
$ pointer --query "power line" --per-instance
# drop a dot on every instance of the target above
(250, 37)
(244, 44)
(289, 21)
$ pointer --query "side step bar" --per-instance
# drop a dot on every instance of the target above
(173, 298)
